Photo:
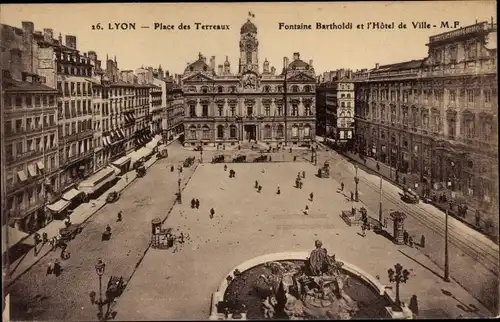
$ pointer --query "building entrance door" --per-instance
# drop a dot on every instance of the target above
(251, 132)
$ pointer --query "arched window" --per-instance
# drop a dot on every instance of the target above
(295, 89)
(307, 88)
(192, 132)
(279, 89)
(307, 131)
(204, 89)
(192, 109)
(232, 131)
(220, 131)
(295, 131)
(342, 104)
(267, 131)
(280, 131)
(206, 132)
(233, 89)
(220, 89)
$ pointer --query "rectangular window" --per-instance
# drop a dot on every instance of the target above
(470, 96)
(487, 96)
(453, 95)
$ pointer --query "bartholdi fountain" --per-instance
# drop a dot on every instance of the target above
(299, 286)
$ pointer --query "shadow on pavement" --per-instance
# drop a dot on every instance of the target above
(427, 268)
(471, 308)
(386, 234)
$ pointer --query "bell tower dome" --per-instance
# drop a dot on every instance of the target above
(249, 47)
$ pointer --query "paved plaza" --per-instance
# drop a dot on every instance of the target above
(178, 284)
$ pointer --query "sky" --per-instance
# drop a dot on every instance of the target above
(174, 49)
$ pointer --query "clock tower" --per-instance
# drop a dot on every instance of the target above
(249, 48)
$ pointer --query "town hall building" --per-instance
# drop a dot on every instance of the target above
(222, 107)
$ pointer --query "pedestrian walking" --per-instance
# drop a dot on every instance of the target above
(256, 184)
(378, 167)
(352, 196)
(45, 237)
(341, 186)
(193, 203)
(478, 218)
(363, 230)
(92, 296)
(303, 174)
(278, 191)
(212, 213)
(172, 168)
(385, 222)
(300, 184)
(126, 178)
(311, 196)
(306, 210)
(49, 268)
(259, 189)
(225, 167)
(57, 267)
(405, 237)
(413, 306)
(410, 241)
(197, 204)
(422, 241)
(294, 158)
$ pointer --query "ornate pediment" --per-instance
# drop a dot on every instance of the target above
(198, 77)
(301, 78)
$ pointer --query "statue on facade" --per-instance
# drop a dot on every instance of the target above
(250, 81)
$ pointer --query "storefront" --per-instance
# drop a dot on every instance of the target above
(98, 183)
(143, 154)
(59, 208)
(122, 164)
(75, 198)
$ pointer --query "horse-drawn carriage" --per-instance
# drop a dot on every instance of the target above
(260, 158)
(112, 197)
(116, 286)
(69, 232)
(188, 162)
(218, 158)
(410, 196)
(240, 159)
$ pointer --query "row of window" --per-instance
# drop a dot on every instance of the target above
(76, 149)
(68, 69)
(416, 95)
(74, 88)
(29, 124)
(23, 147)
(267, 132)
(294, 110)
(74, 108)
(75, 127)
(265, 89)
(29, 100)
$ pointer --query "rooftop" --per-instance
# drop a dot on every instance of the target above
(11, 85)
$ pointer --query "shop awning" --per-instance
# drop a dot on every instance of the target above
(40, 165)
(59, 205)
(121, 161)
(14, 237)
(71, 194)
(22, 175)
(141, 153)
(96, 181)
(128, 117)
(32, 170)
(108, 139)
(104, 141)
(122, 133)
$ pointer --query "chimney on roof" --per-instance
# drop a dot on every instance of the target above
(48, 34)
(28, 27)
(220, 69)
(377, 66)
(71, 41)
(310, 62)
(296, 56)
(212, 63)
(285, 62)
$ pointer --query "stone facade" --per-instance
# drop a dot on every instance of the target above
(222, 107)
(436, 118)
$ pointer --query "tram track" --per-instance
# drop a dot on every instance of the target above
(487, 256)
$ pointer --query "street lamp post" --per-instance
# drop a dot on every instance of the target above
(285, 103)
(99, 269)
(356, 181)
(399, 275)
(446, 276)
(179, 191)
(380, 204)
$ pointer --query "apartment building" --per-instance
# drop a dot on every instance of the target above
(435, 119)
(174, 120)
(30, 133)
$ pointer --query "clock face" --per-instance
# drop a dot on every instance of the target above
(249, 66)
(249, 46)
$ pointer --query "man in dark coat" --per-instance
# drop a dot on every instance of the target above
(193, 203)
(212, 213)
(197, 204)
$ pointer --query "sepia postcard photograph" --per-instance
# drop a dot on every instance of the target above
(249, 161)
